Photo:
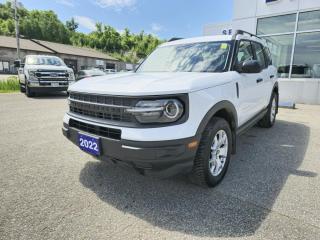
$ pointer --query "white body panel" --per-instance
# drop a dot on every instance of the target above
(200, 102)
(139, 84)
(204, 90)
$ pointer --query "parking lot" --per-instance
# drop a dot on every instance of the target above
(49, 189)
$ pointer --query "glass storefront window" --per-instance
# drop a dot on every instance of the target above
(306, 59)
(309, 21)
(281, 48)
(278, 24)
(4, 67)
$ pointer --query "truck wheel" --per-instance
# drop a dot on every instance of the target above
(213, 155)
(269, 119)
(29, 93)
(22, 88)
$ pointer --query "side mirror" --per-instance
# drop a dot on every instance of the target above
(251, 66)
(17, 63)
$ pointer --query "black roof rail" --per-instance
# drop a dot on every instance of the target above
(242, 32)
(174, 39)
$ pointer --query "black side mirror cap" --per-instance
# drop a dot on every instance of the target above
(17, 63)
(251, 66)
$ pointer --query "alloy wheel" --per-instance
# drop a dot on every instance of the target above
(219, 152)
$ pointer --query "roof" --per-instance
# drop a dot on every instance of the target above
(51, 47)
(215, 38)
(10, 42)
(199, 39)
(73, 50)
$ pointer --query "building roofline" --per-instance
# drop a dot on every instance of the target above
(42, 45)
(50, 48)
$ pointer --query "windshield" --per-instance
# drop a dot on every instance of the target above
(44, 60)
(195, 57)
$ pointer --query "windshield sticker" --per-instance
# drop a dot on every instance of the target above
(223, 46)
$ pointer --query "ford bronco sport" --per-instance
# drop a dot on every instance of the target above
(181, 110)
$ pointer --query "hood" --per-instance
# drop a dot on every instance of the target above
(135, 84)
(47, 67)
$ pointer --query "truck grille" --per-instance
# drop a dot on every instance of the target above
(102, 107)
(52, 75)
(97, 130)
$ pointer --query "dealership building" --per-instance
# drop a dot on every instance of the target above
(292, 30)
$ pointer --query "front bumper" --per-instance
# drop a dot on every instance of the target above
(48, 89)
(49, 86)
(157, 158)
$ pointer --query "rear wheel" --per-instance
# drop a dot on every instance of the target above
(213, 155)
(269, 119)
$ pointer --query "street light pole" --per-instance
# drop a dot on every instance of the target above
(17, 28)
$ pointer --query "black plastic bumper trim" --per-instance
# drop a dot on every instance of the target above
(160, 158)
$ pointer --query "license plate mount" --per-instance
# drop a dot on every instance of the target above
(89, 144)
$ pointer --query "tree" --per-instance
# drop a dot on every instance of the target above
(45, 25)
(72, 25)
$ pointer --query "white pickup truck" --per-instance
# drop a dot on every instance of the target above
(181, 110)
(39, 73)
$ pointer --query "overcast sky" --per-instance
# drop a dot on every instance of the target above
(164, 18)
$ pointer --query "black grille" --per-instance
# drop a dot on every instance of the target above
(52, 79)
(97, 130)
(52, 74)
(102, 107)
(112, 100)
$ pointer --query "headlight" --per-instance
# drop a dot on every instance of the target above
(157, 111)
(32, 75)
(71, 76)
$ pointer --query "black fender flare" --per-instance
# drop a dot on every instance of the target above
(275, 86)
(223, 105)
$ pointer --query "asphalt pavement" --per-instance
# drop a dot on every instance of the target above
(49, 189)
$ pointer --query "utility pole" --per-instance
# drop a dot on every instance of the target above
(16, 18)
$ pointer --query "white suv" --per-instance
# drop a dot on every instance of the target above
(181, 110)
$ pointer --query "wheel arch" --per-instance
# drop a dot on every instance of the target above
(226, 110)
(276, 87)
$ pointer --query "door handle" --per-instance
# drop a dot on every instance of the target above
(259, 80)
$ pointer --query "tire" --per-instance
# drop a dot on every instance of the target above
(22, 88)
(269, 119)
(29, 93)
(204, 172)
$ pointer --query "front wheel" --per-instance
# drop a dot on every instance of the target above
(213, 155)
(22, 88)
(29, 92)
(269, 119)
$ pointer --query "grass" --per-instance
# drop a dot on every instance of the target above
(11, 84)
